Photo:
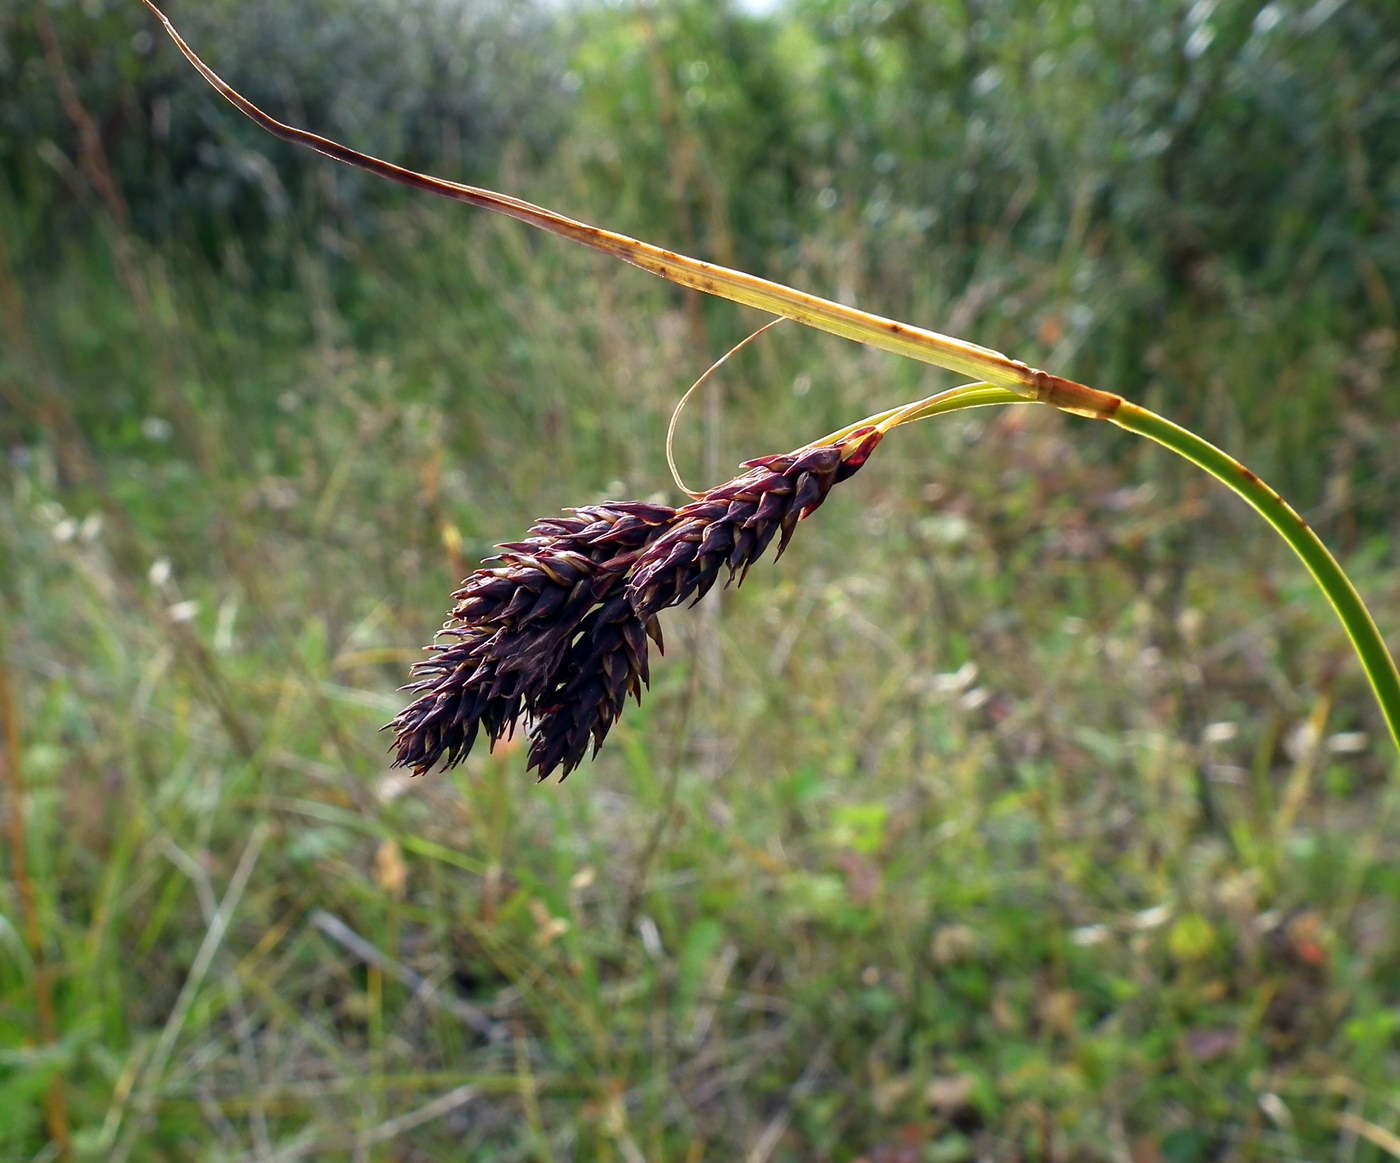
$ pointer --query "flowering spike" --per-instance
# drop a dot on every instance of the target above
(556, 627)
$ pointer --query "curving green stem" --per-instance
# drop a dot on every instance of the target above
(1356, 619)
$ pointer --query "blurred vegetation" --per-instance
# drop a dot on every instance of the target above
(1030, 808)
(428, 82)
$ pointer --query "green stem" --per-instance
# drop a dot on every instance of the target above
(977, 395)
(1356, 619)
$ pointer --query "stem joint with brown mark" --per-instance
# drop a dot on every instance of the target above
(1072, 397)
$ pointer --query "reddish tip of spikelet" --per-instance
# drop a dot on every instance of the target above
(856, 450)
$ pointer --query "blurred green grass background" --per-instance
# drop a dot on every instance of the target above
(1031, 808)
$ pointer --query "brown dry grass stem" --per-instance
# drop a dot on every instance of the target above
(12, 780)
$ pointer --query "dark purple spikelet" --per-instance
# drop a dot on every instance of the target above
(511, 627)
(605, 663)
(550, 568)
(458, 697)
(731, 525)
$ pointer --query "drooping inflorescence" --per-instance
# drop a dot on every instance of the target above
(556, 631)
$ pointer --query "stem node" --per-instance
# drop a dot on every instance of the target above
(1069, 396)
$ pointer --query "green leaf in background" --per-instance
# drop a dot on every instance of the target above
(699, 947)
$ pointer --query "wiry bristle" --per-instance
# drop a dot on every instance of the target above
(731, 526)
(557, 629)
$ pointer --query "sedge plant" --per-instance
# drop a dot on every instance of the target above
(556, 628)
